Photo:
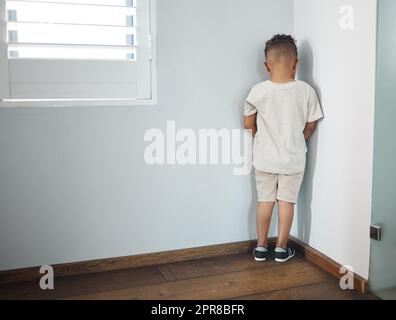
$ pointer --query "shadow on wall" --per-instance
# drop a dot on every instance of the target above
(304, 211)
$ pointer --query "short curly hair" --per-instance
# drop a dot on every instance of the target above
(283, 42)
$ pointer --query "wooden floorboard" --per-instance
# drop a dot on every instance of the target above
(235, 276)
(167, 272)
(85, 284)
(223, 286)
(220, 265)
(328, 290)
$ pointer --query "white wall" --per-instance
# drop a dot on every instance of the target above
(73, 183)
(335, 202)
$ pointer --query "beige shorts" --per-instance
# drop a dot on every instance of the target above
(272, 187)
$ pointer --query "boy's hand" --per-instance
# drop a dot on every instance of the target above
(309, 130)
(250, 123)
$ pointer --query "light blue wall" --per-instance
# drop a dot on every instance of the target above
(383, 253)
(73, 183)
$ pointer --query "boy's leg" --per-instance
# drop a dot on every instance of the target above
(266, 184)
(288, 189)
(263, 221)
(285, 221)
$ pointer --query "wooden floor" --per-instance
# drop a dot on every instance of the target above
(225, 277)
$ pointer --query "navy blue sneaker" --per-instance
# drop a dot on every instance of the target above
(283, 255)
(260, 254)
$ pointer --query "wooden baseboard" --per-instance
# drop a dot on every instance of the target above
(150, 259)
(327, 264)
(136, 261)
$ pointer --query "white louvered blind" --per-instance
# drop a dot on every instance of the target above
(77, 49)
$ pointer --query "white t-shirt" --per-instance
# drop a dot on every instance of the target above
(283, 109)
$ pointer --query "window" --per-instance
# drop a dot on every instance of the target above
(77, 52)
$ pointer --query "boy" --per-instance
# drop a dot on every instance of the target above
(282, 114)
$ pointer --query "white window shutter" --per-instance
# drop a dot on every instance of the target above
(4, 81)
(99, 57)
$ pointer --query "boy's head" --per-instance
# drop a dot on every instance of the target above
(281, 53)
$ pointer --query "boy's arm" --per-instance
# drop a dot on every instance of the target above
(309, 130)
(251, 124)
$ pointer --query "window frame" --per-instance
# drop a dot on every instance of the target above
(4, 82)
